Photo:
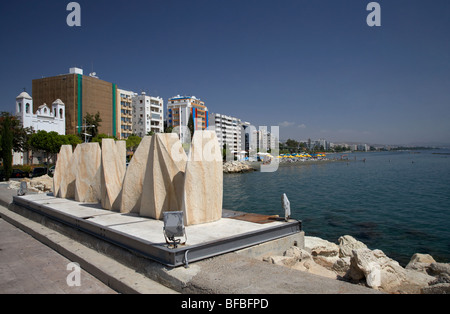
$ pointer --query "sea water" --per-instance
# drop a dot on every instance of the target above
(398, 202)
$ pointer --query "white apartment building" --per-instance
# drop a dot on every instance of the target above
(363, 147)
(245, 135)
(179, 109)
(261, 140)
(228, 130)
(147, 114)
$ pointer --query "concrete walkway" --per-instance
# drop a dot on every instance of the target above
(29, 267)
(231, 273)
(34, 259)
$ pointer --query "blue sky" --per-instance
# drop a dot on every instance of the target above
(312, 67)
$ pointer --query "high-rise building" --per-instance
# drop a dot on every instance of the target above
(261, 140)
(147, 114)
(81, 94)
(179, 108)
(323, 144)
(228, 130)
(125, 113)
(245, 135)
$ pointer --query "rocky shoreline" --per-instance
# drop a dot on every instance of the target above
(237, 167)
(246, 166)
(352, 261)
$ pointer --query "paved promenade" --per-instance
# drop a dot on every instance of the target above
(29, 267)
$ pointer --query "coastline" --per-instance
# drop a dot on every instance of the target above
(238, 167)
(250, 166)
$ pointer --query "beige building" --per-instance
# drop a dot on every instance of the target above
(81, 94)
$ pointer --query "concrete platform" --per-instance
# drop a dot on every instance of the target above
(145, 235)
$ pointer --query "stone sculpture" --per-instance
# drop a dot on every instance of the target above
(164, 179)
(113, 172)
(130, 197)
(159, 178)
(67, 186)
(88, 173)
(203, 185)
(63, 179)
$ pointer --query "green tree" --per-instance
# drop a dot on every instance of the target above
(226, 153)
(169, 129)
(338, 148)
(23, 142)
(190, 125)
(21, 136)
(133, 142)
(73, 140)
(101, 136)
(292, 145)
(7, 138)
(93, 120)
(150, 133)
(48, 142)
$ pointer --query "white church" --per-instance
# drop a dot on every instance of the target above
(46, 118)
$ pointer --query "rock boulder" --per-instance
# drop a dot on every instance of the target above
(324, 253)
